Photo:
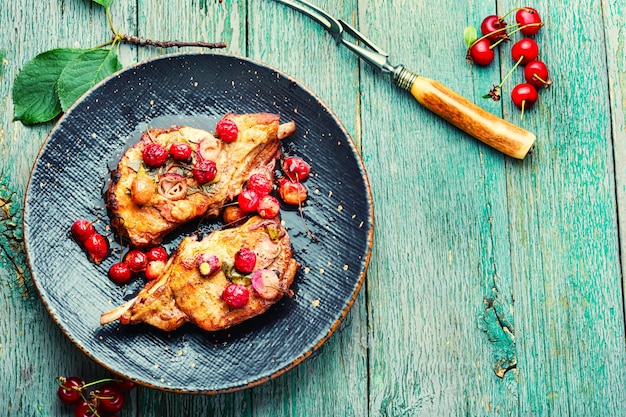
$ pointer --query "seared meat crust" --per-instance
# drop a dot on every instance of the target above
(254, 151)
(183, 294)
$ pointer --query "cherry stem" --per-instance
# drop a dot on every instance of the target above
(508, 74)
(546, 83)
(540, 24)
(521, 117)
(507, 34)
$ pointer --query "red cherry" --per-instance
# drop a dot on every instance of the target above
(524, 95)
(97, 248)
(524, 51)
(154, 155)
(296, 169)
(204, 171)
(120, 273)
(126, 384)
(111, 398)
(82, 230)
(245, 260)
(268, 207)
(180, 151)
(85, 409)
(493, 27)
(154, 269)
(481, 52)
(227, 130)
(528, 16)
(536, 74)
(248, 201)
(69, 390)
(259, 183)
(136, 260)
(157, 253)
(236, 295)
(292, 192)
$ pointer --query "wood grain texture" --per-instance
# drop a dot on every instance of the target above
(495, 286)
(33, 350)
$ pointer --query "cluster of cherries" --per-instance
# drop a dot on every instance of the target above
(151, 262)
(94, 243)
(104, 397)
(256, 198)
(524, 52)
(264, 282)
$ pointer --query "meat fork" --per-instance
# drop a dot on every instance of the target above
(498, 133)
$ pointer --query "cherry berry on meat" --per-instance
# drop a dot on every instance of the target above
(236, 295)
(204, 171)
(70, 389)
(260, 183)
(227, 130)
(268, 207)
(137, 260)
(292, 192)
(180, 151)
(233, 215)
(120, 273)
(142, 189)
(524, 51)
(245, 260)
(154, 155)
(154, 269)
(97, 248)
(157, 253)
(248, 201)
(494, 28)
(82, 230)
(536, 74)
(528, 16)
(481, 52)
(111, 398)
(296, 169)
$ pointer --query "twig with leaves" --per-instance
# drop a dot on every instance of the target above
(52, 81)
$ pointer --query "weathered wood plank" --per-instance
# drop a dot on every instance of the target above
(455, 208)
(565, 259)
(615, 38)
(33, 350)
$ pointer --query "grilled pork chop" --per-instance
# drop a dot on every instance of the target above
(187, 293)
(147, 202)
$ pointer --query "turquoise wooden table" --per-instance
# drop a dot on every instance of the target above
(495, 286)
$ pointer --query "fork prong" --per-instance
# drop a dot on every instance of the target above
(329, 23)
(352, 31)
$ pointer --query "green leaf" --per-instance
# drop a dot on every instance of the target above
(35, 99)
(470, 35)
(105, 3)
(84, 72)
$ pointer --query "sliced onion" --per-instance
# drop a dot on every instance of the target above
(209, 148)
(173, 186)
(266, 283)
(208, 264)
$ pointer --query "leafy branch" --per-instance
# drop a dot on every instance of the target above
(53, 80)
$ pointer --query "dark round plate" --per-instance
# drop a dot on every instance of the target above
(196, 90)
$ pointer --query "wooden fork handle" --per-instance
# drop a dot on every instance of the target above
(506, 137)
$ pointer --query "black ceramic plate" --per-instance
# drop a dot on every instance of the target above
(196, 90)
